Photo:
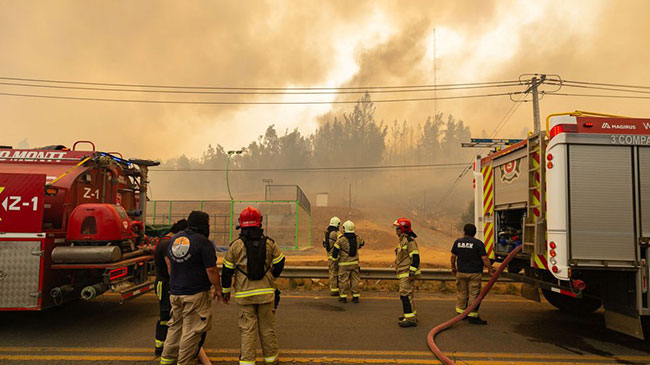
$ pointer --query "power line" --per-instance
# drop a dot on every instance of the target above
(322, 169)
(243, 92)
(225, 102)
(565, 84)
(606, 84)
(597, 95)
(256, 88)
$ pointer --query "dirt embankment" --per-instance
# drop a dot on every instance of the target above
(375, 227)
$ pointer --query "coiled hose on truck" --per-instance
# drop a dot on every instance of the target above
(443, 326)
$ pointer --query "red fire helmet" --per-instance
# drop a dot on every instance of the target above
(404, 225)
(250, 217)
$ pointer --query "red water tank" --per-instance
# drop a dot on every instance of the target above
(101, 223)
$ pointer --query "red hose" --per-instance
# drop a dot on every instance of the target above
(443, 326)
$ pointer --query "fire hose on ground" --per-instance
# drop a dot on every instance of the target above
(445, 325)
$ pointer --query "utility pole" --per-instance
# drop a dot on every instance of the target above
(350, 199)
(533, 88)
(435, 78)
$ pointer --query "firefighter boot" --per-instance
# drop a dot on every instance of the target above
(408, 319)
(408, 322)
(343, 299)
(476, 320)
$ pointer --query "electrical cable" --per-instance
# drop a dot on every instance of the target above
(606, 84)
(223, 102)
(596, 95)
(257, 88)
(566, 84)
(244, 92)
(321, 169)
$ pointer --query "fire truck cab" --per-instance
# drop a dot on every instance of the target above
(578, 199)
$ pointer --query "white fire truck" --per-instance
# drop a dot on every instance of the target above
(577, 197)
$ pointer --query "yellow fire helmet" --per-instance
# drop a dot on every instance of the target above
(335, 222)
(348, 227)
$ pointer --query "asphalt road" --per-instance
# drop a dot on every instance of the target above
(314, 328)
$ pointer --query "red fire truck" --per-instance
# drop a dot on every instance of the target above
(70, 226)
(577, 197)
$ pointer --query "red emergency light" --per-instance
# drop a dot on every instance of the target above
(562, 128)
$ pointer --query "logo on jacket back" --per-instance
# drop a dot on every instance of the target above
(465, 245)
(510, 171)
(180, 248)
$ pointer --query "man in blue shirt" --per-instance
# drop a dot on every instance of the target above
(192, 264)
(468, 257)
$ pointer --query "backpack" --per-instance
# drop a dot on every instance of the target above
(256, 258)
(352, 239)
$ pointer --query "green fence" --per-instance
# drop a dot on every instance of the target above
(288, 222)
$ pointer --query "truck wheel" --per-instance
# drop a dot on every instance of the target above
(515, 268)
(571, 305)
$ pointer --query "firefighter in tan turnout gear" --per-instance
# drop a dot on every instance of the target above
(346, 253)
(252, 263)
(407, 263)
(331, 235)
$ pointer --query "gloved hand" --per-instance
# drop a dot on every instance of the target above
(277, 299)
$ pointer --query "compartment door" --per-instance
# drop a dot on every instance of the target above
(601, 206)
(20, 263)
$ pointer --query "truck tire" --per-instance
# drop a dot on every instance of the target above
(515, 267)
(571, 305)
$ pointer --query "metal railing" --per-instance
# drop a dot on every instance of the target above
(375, 273)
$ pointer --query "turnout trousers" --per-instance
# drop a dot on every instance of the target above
(165, 307)
(254, 320)
(190, 321)
(468, 287)
(349, 280)
(333, 267)
(406, 291)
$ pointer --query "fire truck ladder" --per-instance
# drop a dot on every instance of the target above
(535, 223)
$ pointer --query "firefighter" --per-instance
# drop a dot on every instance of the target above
(346, 254)
(191, 261)
(331, 235)
(162, 285)
(252, 263)
(468, 257)
(407, 264)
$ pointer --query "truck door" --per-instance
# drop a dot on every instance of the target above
(601, 206)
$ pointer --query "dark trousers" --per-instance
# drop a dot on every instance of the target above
(165, 307)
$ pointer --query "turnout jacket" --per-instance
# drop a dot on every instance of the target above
(407, 257)
(341, 251)
(248, 291)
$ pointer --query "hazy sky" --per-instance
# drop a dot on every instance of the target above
(299, 44)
